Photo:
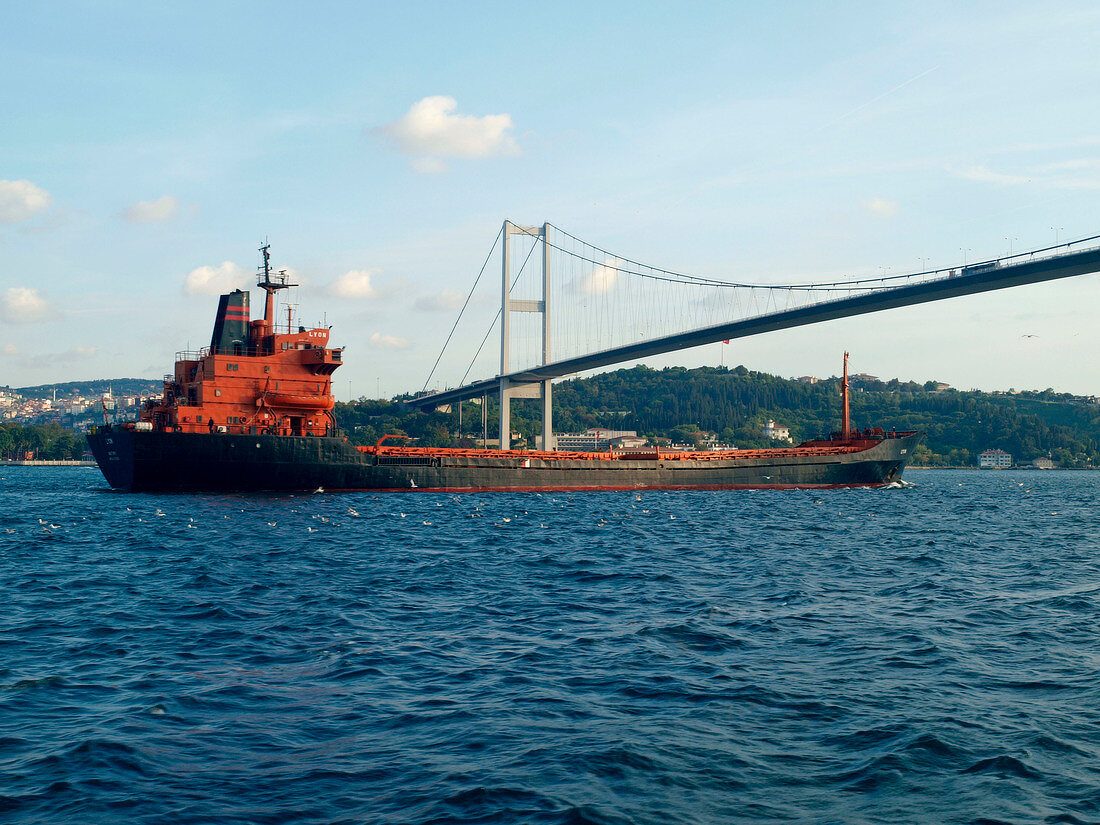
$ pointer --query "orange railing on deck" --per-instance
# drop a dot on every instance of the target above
(544, 455)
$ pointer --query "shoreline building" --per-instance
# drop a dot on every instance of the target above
(994, 460)
(598, 440)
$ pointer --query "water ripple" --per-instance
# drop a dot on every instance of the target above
(916, 655)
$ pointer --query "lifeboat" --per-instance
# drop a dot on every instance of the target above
(300, 402)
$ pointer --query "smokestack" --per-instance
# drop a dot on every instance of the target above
(231, 326)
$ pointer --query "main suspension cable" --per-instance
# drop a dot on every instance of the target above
(496, 318)
(469, 295)
(680, 277)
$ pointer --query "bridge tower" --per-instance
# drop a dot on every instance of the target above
(509, 388)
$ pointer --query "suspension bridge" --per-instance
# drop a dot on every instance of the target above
(575, 306)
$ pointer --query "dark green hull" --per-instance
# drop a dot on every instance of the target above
(136, 460)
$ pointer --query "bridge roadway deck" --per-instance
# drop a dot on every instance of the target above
(971, 281)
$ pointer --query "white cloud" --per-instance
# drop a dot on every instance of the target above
(432, 130)
(447, 300)
(20, 200)
(600, 280)
(293, 276)
(985, 175)
(355, 283)
(1077, 174)
(216, 280)
(69, 356)
(162, 209)
(382, 341)
(881, 206)
(21, 305)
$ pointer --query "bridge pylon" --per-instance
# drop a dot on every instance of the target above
(508, 388)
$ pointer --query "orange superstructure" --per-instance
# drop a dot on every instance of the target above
(254, 377)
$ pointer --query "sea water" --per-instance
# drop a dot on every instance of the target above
(923, 654)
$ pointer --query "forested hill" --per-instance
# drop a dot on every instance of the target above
(680, 404)
(735, 403)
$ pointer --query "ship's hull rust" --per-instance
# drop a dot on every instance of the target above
(139, 460)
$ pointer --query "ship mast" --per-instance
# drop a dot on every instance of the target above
(845, 419)
(270, 282)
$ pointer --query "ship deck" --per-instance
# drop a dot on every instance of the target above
(803, 450)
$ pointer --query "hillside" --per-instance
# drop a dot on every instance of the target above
(680, 404)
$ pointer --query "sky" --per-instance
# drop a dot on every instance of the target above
(146, 151)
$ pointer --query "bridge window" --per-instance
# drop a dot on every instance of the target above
(198, 418)
(218, 393)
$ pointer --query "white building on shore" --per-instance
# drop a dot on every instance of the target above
(994, 460)
(777, 432)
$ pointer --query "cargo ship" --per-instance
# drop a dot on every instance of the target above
(254, 411)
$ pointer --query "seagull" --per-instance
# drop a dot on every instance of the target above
(1029, 336)
(352, 512)
(272, 523)
(319, 490)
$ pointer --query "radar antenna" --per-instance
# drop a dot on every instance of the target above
(270, 282)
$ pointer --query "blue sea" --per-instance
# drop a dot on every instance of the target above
(923, 654)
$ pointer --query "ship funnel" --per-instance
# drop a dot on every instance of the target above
(231, 327)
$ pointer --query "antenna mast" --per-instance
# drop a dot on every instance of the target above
(270, 282)
(845, 420)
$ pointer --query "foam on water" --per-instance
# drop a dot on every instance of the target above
(920, 654)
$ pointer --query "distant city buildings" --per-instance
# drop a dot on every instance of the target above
(994, 460)
(1043, 463)
(75, 411)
